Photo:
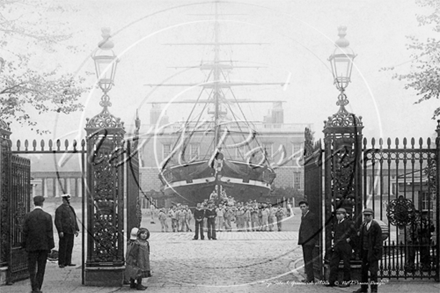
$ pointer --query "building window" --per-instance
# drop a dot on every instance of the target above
(166, 150)
(297, 180)
(296, 149)
(194, 151)
(427, 201)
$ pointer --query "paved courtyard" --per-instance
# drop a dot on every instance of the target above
(234, 259)
(236, 262)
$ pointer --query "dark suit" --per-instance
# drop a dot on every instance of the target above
(370, 252)
(199, 214)
(342, 249)
(307, 237)
(211, 214)
(38, 241)
(65, 221)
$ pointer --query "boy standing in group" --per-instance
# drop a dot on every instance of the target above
(199, 215)
(210, 214)
(370, 251)
(343, 234)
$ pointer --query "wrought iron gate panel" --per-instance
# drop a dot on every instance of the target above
(400, 185)
(5, 167)
(19, 206)
(313, 190)
(14, 204)
(105, 214)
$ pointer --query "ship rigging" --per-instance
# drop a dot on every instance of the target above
(247, 177)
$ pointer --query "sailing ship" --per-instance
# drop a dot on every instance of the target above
(235, 165)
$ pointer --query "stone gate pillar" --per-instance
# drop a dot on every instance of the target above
(105, 200)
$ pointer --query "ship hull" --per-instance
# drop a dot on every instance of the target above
(193, 183)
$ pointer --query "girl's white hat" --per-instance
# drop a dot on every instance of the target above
(133, 233)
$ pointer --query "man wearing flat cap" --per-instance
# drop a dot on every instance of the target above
(344, 232)
(370, 241)
(38, 241)
(67, 226)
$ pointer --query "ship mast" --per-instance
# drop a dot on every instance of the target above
(216, 82)
(216, 69)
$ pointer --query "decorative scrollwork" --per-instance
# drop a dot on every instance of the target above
(4, 125)
(401, 212)
(104, 120)
(308, 142)
(5, 130)
(105, 101)
(431, 174)
(106, 173)
(342, 100)
(343, 170)
(343, 118)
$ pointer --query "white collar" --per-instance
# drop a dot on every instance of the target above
(38, 207)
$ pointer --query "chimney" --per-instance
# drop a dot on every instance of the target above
(277, 113)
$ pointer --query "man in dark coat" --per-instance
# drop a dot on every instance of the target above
(371, 246)
(67, 226)
(38, 241)
(343, 234)
(211, 214)
(199, 215)
(308, 236)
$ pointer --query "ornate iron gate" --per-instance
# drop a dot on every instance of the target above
(14, 204)
(55, 148)
(19, 205)
(400, 183)
(313, 190)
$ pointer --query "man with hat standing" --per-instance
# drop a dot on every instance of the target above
(65, 222)
(38, 241)
(307, 238)
(370, 241)
(343, 234)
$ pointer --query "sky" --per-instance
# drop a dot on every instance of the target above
(295, 40)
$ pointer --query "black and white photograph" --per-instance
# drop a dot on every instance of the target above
(219, 146)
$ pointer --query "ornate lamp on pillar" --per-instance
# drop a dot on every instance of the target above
(342, 139)
(105, 180)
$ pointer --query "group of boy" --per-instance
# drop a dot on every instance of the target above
(250, 216)
(181, 217)
(370, 247)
